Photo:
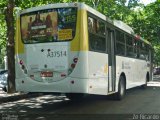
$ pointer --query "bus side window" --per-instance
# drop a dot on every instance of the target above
(96, 30)
(97, 43)
(120, 43)
(138, 49)
(135, 48)
(144, 51)
(147, 52)
(141, 50)
(129, 46)
(91, 25)
(100, 28)
(96, 26)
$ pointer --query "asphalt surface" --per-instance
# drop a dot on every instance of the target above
(138, 104)
(5, 97)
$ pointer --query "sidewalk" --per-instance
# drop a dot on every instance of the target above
(154, 84)
(4, 97)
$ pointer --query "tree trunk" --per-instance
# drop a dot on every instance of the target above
(10, 45)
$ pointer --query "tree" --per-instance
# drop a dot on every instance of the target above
(10, 45)
(2, 33)
(145, 21)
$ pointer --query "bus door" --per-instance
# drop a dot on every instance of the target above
(111, 60)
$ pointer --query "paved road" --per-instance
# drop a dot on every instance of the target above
(136, 103)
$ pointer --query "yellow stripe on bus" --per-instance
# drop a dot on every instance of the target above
(80, 42)
(19, 46)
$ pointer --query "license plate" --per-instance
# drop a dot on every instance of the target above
(46, 74)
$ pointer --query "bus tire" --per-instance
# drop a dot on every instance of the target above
(121, 89)
(147, 80)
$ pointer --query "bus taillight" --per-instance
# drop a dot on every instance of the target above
(73, 65)
(75, 60)
(23, 66)
(63, 75)
(21, 62)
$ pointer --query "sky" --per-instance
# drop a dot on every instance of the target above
(145, 2)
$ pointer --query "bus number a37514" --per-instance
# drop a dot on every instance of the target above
(56, 54)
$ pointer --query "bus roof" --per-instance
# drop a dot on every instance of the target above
(62, 5)
(123, 26)
(49, 6)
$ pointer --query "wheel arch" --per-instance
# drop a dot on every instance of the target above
(147, 77)
(118, 80)
(121, 87)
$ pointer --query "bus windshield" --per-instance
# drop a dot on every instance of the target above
(51, 25)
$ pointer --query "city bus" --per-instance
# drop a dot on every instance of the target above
(73, 49)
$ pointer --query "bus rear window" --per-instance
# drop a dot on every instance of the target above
(50, 25)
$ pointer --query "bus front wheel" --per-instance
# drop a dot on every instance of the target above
(121, 88)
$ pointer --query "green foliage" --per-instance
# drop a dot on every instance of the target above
(143, 19)
(146, 23)
(2, 32)
(153, 26)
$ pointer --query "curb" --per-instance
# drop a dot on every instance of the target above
(19, 97)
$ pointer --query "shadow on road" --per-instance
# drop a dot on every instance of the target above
(47, 106)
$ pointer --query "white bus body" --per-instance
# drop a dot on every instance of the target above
(69, 66)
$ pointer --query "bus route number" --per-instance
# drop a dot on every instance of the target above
(58, 54)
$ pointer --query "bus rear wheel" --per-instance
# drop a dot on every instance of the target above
(147, 80)
(121, 89)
